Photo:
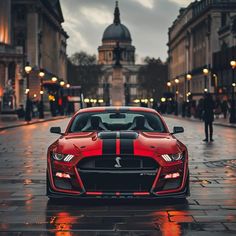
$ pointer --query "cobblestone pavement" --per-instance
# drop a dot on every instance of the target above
(25, 210)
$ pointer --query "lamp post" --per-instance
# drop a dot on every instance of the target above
(168, 85)
(28, 69)
(176, 96)
(41, 104)
(189, 78)
(61, 100)
(205, 72)
(176, 89)
(232, 118)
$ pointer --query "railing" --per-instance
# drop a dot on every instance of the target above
(4, 48)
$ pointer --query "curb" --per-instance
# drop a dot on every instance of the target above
(32, 122)
(196, 120)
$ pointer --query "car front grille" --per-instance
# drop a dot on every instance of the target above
(112, 163)
(107, 174)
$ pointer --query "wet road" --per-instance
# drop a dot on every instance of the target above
(25, 210)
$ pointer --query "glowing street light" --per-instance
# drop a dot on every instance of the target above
(54, 79)
(189, 78)
(205, 72)
(151, 100)
(28, 69)
(41, 105)
(232, 118)
(62, 83)
(176, 81)
(233, 64)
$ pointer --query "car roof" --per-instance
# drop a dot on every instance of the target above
(116, 109)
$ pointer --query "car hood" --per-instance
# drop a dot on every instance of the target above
(124, 142)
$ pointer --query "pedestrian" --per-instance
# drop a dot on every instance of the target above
(225, 108)
(208, 116)
(218, 108)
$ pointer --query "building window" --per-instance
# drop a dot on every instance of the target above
(20, 14)
(20, 39)
(133, 91)
(223, 19)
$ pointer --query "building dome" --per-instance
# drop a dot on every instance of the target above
(114, 34)
(116, 31)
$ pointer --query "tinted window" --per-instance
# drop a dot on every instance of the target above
(110, 121)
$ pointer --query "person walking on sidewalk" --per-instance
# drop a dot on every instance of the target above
(208, 116)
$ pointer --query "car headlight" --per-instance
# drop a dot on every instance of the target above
(173, 157)
(62, 157)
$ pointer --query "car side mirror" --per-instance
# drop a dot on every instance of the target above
(177, 130)
(55, 130)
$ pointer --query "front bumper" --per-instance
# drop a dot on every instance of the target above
(60, 195)
(156, 188)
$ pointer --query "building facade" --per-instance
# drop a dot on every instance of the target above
(194, 38)
(30, 31)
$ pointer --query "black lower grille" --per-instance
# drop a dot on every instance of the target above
(117, 182)
(133, 175)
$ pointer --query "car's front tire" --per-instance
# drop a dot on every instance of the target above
(48, 189)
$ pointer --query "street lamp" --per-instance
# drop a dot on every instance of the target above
(61, 98)
(62, 83)
(189, 78)
(54, 79)
(205, 72)
(28, 69)
(232, 118)
(176, 96)
(41, 105)
(168, 85)
(176, 88)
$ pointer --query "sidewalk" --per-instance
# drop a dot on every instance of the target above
(17, 123)
(218, 121)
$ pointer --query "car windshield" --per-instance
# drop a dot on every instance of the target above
(111, 121)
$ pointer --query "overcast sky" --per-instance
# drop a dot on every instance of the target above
(147, 20)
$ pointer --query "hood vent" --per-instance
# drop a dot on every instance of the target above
(118, 135)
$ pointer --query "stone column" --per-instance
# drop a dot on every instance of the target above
(117, 87)
(6, 75)
(32, 36)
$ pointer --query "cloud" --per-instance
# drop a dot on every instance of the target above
(182, 2)
(146, 3)
(100, 16)
(147, 20)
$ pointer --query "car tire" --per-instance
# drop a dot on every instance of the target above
(188, 186)
(48, 188)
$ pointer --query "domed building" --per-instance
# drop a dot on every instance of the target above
(114, 33)
(117, 35)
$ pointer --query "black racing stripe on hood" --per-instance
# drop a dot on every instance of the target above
(109, 146)
(126, 146)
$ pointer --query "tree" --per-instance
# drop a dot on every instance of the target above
(83, 59)
(152, 77)
(84, 71)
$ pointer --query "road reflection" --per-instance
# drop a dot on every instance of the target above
(67, 216)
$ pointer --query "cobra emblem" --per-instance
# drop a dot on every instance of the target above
(118, 165)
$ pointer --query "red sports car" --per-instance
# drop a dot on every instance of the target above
(117, 152)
